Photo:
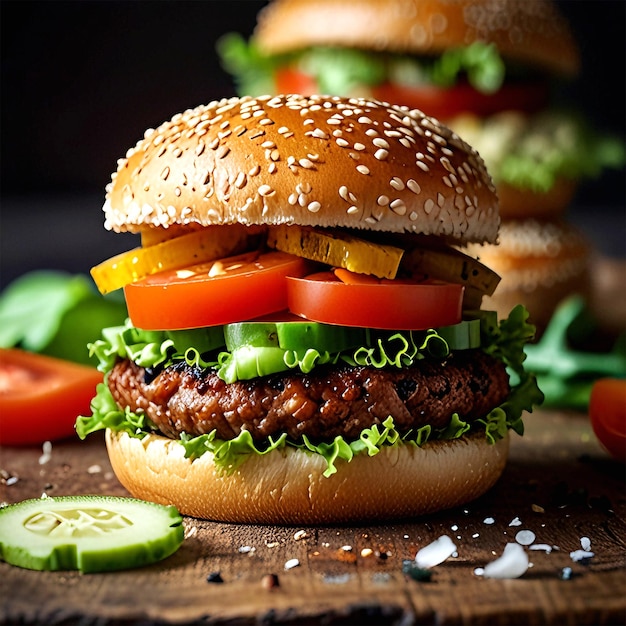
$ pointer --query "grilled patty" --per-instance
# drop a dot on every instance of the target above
(329, 401)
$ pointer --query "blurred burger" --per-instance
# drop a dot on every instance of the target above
(305, 342)
(490, 70)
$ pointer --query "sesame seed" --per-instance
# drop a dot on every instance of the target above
(398, 207)
(359, 146)
(352, 210)
(429, 205)
(379, 142)
(342, 142)
(222, 151)
(165, 173)
(241, 180)
(363, 169)
(382, 200)
(343, 192)
(314, 207)
(265, 190)
(422, 166)
(381, 154)
(397, 183)
(413, 185)
(292, 199)
(306, 163)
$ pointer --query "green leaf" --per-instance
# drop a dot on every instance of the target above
(56, 313)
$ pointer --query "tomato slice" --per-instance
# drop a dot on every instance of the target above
(290, 80)
(607, 411)
(447, 102)
(440, 102)
(229, 290)
(41, 396)
(383, 304)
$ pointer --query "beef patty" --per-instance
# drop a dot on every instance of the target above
(329, 401)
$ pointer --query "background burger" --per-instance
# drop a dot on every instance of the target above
(305, 343)
(489, 69)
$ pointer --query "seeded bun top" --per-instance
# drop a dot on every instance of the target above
(317, 161)
(528, 31)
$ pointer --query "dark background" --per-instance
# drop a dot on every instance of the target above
(82, 80)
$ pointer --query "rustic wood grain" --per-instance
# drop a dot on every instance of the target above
(559, 483)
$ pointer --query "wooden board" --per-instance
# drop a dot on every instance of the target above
(559, 483)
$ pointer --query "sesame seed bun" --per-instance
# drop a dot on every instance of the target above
(531, 32)
(541, 262)
(315, 161)
(287, 487)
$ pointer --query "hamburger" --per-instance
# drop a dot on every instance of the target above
(305, 342)
(492, 70)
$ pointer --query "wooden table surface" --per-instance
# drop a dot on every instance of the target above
(559, 484)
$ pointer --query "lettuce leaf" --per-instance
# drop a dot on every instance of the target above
(505, 341)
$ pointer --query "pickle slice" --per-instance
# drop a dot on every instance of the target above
(452, 266)
(337, 249)
(88, 533)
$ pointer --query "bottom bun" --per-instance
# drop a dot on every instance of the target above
(287, 486)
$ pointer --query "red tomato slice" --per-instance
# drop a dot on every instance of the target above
(607, 411)
(290, 80)
(229, 290)
(41, 396)
(440, 102)
(447, 102)
(386, 304)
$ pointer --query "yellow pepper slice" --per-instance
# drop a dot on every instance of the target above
(337, 249)
(206, 244)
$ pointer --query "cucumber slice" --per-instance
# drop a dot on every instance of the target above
(462, 336)
(88, 533)
(294, 336)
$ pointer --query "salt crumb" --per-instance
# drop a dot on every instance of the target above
(581, 555)
(541, 546)
(525, 537)
(585, 543)
(47, 453)
(435, 553)
(512, 564)
(291, 563)
(489, 520)
(454, 527)
(515, 522)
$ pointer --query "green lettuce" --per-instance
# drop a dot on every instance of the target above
(504, 340)
(339, 70)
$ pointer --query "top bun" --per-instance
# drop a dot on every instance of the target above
(527, 31)
(317, 161)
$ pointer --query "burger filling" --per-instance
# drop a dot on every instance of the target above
(502, 109)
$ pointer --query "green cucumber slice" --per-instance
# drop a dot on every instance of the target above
(296, 336)
(88, 533)
(462, 336)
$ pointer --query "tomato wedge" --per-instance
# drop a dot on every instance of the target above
(229, 290)
(371, 303)
(607, 411)
(41, 396)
